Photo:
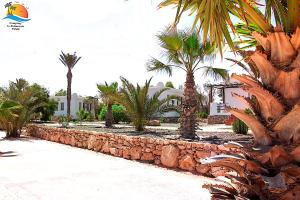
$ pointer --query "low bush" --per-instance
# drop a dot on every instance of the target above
(203, 115)
(239, 127)
(119, 114)
(84, 115)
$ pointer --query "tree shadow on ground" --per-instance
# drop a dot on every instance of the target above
(22, 139)
(8, 154)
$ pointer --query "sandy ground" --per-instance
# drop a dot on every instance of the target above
(32, 169)
(167, 126)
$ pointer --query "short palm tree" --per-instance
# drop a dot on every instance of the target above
(275, 93)
(184, 50)
(69, 60)
(23, 102)
(8, 111)
(140, 107)
(107, 92)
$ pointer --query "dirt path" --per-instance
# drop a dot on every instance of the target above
(33, 169)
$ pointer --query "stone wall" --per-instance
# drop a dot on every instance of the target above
(168, 153)
(217, 119)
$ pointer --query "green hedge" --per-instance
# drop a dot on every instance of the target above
(119, 114)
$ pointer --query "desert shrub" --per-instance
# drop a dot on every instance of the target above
(203, 115)
(119, 113)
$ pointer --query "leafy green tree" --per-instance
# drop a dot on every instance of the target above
(48, 106)
(185, 51)
(169, 84)
(69, 60)
(139, 106)
(107, 92)
(119, 113)
(61, 92)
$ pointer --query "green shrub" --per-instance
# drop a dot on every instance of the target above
(119, 114)
(63, 121)
(84, 115)
(239, 126)
(162, 119)
(202, 115)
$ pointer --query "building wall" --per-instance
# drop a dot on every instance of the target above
(165, 94)
(75, 100)
(233, 102)
(218, 109)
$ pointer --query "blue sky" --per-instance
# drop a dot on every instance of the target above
(115, 38)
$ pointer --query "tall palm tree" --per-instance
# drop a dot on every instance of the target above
(185, 51)
(276, 93)
(107, 92)
(69, 60)
(140, 107)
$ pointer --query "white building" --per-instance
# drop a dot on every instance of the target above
(217, 112)
(77, 103)
(165, 94)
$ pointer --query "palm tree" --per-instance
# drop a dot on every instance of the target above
(7, 114)
(185, 51)
(139, 106)
(23, 101)
(107, 92)
(8, 6)
(69, 60)
(276, 92)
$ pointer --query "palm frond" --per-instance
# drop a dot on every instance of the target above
(158, 66)
(216, 73)
(139, 105)
(215, 18)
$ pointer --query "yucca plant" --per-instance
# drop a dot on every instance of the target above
(276, 91)
(140, 107)
(107, 92)
(69, 60)
(184, 50)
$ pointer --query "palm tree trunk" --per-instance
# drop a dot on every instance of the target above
(109, 116)
(69, 93)
(188, 122)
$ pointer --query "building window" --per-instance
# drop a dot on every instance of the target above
(62, 106)
(173, 102)
(80, 105)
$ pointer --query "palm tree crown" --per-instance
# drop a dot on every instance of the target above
(184, 51)
(69, 60)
